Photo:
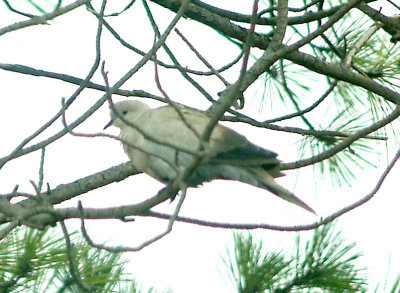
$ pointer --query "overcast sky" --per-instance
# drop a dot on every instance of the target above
(189, 259)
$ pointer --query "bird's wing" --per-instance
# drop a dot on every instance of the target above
(231, 146)
(226, 146)
(166, 125)
(232, 156)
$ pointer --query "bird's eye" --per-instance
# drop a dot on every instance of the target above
(124, 112)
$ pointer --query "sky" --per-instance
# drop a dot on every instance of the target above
(189, 258)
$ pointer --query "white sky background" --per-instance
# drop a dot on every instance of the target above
(187, 260)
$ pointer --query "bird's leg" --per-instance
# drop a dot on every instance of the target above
(170, 188)
(177, 183)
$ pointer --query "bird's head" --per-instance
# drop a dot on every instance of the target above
(126, 111)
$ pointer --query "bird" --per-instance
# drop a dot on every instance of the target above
(163, 141)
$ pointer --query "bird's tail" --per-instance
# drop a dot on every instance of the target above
(268, 182)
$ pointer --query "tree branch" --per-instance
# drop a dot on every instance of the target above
(42, 19)
(311, 226)
(338, 72)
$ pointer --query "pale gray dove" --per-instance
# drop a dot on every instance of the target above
(229, 155)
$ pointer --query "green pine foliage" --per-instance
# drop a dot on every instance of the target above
(252, 270)
(325, 263)
(36, 261)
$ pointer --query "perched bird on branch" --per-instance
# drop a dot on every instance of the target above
(163, 141)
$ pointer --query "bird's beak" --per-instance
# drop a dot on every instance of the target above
(109, 124)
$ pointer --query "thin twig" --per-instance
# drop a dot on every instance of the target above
(345, 143)
(43, 18)
(99, 134)
(137, 210)
(19, 151)
(176, 66)
(129, 123)
(15, 193)
(170, 102)
(297, 130)
(35, 187)
(305, 227)
(146, 243)
(71, 262)
(274, 8)
(320, 30)
(394, 4)
(41, 171)
(230, 96)
(361, 41)
(306, 110)
(246, 52)
(136, 127)
(392, 25)
(4, 232)
(170, 54)
(18, 194)
(75, 80)
(157, 78)
(310, 16)
(292, 95)
(17, 11)
(202, 59)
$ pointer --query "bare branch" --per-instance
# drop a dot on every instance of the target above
(19, 150)
(40, 213)
(205, 62)
(335, 71)
(234, 93)
(75, 80)
(310, 16)
(345, 143)
(11, 226)
(92, 135)
(122, 212)
(306, 110)
(146, 243)
(170, 102)
(394, 4)
(305, 227)
(42, 19)
(392, 26)
(361, 42)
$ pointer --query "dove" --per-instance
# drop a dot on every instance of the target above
(162, 141)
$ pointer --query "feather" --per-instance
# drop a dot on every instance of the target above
(160, 142)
